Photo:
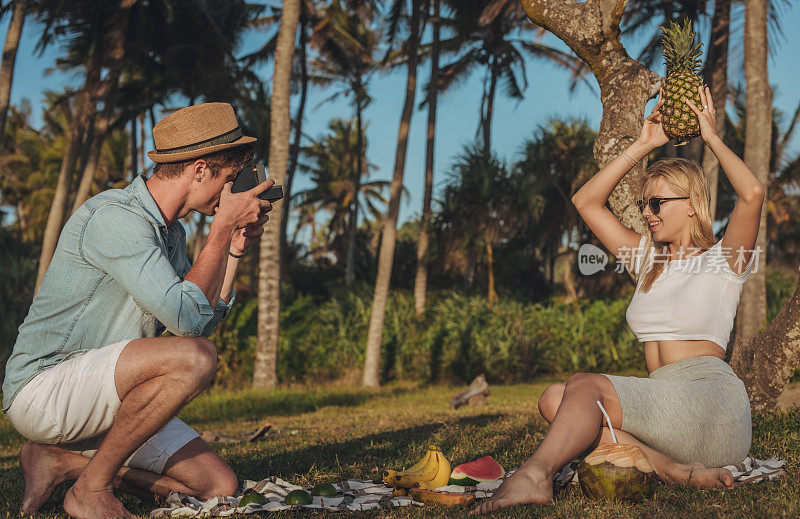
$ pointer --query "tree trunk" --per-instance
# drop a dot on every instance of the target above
(114, 52)
(421, 278)
(492, 294)
(142, 138)
(298, 136)
(469, 269)
(717, 78)
(95, 150)
(591, 30)
(86, 109)
(751, 316)
(9, 56)
(253, 281)
(386, 257)
(265, 365)
(694, 150)
(94, 88)
(765, 364)
(353, 217)
(569, 279)
(133, 149)
(487, 119)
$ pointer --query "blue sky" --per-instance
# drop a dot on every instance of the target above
(547, 96)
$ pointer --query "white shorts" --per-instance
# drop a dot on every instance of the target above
(74, 403)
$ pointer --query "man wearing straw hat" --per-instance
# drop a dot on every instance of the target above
(90, 382)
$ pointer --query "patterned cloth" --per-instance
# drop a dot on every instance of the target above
(360, 495)
(354, 495)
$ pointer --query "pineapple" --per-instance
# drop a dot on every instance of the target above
(681, 57)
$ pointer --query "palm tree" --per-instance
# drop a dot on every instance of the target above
(493, 35)
(265, 365)
(105, 119)
(783, 206)
(386, 257)
(9, 56)
(347, 48)
(423, 240)
(558, 159)
(331, 164)
(104, 31)
(309, 17)
(752, 311)
(100, 129)
(639, 15)
(784, 173)
(484, 204)
(29, 167)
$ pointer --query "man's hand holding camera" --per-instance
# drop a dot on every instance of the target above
(246, 213)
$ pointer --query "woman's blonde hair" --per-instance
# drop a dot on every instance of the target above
(686, 178)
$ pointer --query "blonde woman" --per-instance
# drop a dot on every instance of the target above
(692, 415)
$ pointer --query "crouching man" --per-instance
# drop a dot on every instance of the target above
(90, 382)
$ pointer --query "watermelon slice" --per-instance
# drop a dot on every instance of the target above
(474, 472)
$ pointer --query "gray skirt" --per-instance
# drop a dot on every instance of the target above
(693, 410)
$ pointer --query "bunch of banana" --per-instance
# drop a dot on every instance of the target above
(432, 471)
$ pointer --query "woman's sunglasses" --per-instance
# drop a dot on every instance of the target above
(656, 201)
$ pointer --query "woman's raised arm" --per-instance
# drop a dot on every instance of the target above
(743, 225)
(590, 199)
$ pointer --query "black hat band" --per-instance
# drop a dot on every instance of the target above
(225, 138)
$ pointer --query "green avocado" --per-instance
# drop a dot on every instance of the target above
(324, 490)
(298, 497)
(252, 496)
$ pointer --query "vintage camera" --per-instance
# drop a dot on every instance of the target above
(250, 176)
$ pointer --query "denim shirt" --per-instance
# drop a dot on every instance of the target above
(116, 274)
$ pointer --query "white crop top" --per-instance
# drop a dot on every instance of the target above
(692, 299)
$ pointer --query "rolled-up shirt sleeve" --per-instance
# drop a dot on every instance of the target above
(126, 246)
(221, 311)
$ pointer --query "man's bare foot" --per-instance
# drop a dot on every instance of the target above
(530, 486)
(83, 503)
(709, 478)
(41, 472)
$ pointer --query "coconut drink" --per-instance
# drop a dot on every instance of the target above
(616, 471)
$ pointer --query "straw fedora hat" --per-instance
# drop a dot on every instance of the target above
(196, 131)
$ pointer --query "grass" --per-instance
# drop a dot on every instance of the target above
(328, 435)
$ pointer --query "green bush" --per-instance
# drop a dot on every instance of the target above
(780, 288)
(459, 337)
(512, 341)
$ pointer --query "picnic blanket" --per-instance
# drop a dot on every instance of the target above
(357, 495)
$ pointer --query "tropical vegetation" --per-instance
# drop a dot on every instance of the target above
(484, 278)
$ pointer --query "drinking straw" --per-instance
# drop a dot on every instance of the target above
(613, 436)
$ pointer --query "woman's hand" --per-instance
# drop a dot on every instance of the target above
(707, 115)
(653, 135)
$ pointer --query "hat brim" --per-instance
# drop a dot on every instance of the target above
(162, 158)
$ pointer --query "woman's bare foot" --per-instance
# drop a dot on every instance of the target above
(86, 503)
(708, 478)
(530, 486)
(42, 473)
